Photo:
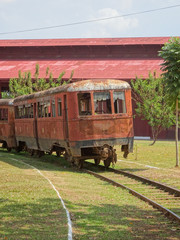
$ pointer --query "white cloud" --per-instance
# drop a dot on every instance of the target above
(126, 4)
(111, 26)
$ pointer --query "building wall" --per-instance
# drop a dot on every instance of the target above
(119, 61)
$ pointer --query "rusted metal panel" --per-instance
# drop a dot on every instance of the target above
(7, 131)
(86, 85)
(95, 85)
(6, 102)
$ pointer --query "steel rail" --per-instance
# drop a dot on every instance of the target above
(166, 211)
(169, 189)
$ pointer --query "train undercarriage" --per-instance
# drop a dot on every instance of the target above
(106, 153)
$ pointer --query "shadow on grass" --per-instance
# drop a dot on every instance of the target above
(42, 220)
(46, 162)
(113, 222)
(94, 222)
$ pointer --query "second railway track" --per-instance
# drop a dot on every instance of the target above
(162, 197)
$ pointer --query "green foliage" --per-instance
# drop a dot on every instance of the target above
(151, 103)
(170, 52)
(6, 95)
(24, 84)
(21, 85)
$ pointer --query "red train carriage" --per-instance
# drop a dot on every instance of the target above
(82, 120)
(7, 134)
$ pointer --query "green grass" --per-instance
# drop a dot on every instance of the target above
(30, 209)
(161, 155)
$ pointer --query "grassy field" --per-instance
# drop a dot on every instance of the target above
(156, 162)
(30, 208)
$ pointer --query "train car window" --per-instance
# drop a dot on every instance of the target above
(47, 109)
(39, 109)
(53, 108)
(44, 109)
(21, 112)
(84, 102)
(16, 112)
(102, 103)
(3, 114)
(29, 111)
(59, 107)
(119, 102)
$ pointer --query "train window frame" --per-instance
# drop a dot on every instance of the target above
(21, 112)
(102, 108)
(4, 112)
(29, 113)
(84, 103)
(59, 106)
(119, 106)
(47, 109)
(44, 109)
(24, 111)
(53, 108)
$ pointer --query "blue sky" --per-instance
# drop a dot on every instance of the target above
(20, 15)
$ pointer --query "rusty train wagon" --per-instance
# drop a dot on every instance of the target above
(7, 133)
(82, 120)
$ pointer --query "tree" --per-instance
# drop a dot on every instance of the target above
(170, 53)
(151, 103)
(25, 84)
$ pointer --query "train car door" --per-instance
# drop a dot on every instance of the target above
(35, 130)
(65, 116)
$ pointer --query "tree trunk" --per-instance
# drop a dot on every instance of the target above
(155, 133)
(177, 149)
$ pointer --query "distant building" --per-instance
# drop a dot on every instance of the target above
(117, 58)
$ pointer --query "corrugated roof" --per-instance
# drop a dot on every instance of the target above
(84, 42)
(83, 69)
(81, 86)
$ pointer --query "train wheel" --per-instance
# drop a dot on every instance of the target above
(40, 153)
(4, 145)
(107, 162)
(80, 164)
(18, 149)
(58, 153)
(9, 149)
(97, 161)
(31, 152)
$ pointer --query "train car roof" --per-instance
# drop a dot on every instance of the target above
(6, 102)
(80, 86)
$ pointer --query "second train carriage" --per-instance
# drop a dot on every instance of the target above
(83, 120)
(7, 133)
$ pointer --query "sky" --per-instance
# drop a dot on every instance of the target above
(22, 15)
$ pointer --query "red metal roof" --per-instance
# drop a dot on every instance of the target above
(84, 69)
(127, 63)
(84, 42)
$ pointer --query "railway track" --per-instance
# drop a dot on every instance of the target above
(162, 197)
